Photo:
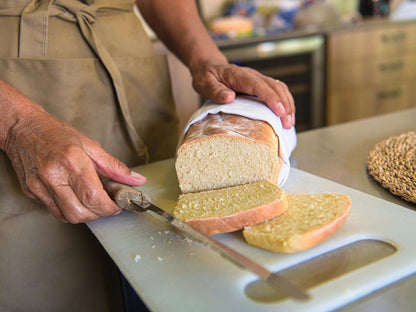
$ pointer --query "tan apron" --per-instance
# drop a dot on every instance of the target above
(90, 64)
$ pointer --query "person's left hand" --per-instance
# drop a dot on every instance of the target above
(220, 83)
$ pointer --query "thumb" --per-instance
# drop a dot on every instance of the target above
(214, 90)
(110, 167)
(223, 96)
(114, 169)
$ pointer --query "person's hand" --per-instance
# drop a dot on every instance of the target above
(58, 165)
(178, 25)
(220, 83)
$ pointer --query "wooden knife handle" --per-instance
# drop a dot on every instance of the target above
(125, 196)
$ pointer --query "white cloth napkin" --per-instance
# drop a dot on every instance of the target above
(252, 107)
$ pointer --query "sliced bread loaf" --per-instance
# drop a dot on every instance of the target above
(232, 208)
(309, 220)
(223, 150)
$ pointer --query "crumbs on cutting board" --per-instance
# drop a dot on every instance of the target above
(167, 239)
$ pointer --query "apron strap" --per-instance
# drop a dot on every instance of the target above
(34, 29)
(33, 40)
(85, 17)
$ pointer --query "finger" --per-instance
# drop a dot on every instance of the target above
(71, 207)
(274, 93)
(109, 166)
(53, 208)
(91, 194)
(214, 90)
(288, 120)
(41, 194)
(282, 89)
(277, 96)
(248, 81)
(276, 101)
(23, 180)
(78, 193)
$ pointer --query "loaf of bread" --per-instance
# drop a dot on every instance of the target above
(309, 220)
(237, 25)
(232, 208)
(224, 150)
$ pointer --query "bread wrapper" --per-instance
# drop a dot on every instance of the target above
(252, 107)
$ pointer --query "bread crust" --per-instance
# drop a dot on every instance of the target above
(305, 240)
(241, 219)
(234, 128)
(317, 236)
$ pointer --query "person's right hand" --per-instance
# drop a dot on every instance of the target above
(58, 165)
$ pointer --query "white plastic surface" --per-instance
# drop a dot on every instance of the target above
(172, 273)
(252, 107)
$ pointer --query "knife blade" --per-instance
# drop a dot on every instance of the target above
(132, 199)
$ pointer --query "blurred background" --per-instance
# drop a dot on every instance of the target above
(342, 59)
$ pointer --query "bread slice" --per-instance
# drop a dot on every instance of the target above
(224, 150)
(309, 220)
(232, 208)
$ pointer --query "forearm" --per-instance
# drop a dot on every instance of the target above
(178, 25)
(55, 163)
(13, 107)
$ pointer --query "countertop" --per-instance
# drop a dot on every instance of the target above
(339, 153)
(150, 254)
(310, 30)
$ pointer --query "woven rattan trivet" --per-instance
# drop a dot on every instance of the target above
(392, 163)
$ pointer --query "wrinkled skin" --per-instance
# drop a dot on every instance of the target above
(220, 83)
(59, 166)
(178, 26)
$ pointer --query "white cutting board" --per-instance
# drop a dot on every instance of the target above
(171, 273)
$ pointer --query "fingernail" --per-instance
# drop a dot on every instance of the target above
(293, 119)
(289, 119)
(117, 212)
(138, 176)
(224, 94)
(281, 108)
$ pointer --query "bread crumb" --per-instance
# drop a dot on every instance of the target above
(159, 258)
(137, 258)
(153, 246)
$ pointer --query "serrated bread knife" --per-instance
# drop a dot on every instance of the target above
(132, 199)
